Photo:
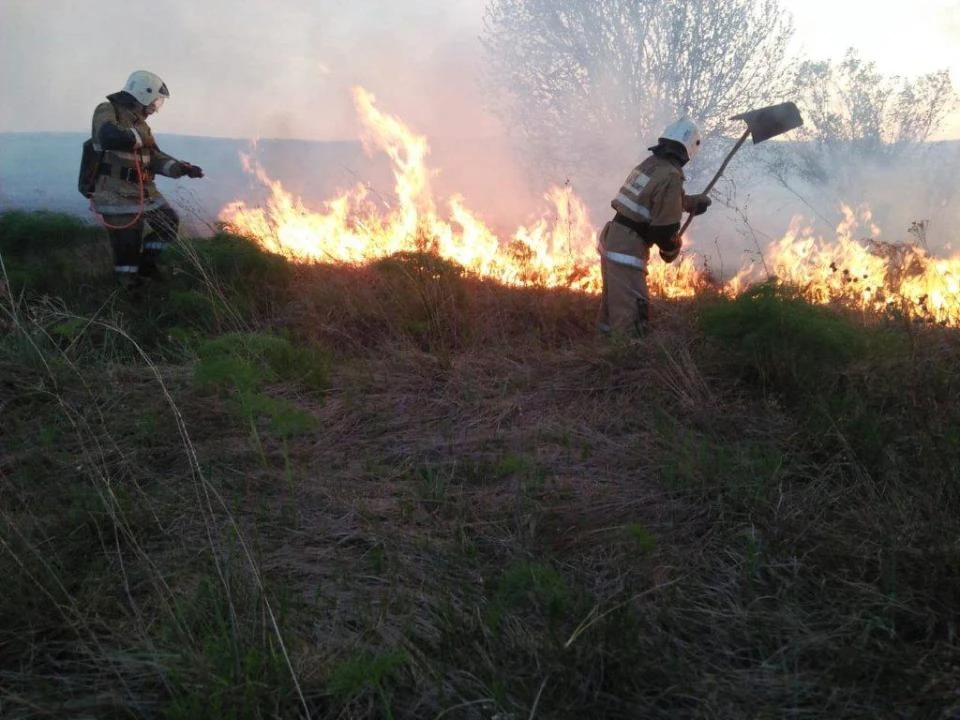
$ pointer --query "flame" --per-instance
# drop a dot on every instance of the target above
(559, 248)
(866, 274)
(556, 250)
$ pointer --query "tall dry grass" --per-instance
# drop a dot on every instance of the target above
(396, 491)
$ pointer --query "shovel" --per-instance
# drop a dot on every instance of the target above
(763, 124)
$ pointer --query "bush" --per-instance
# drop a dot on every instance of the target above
(33, 234)
(788, 346)
(264, 358)
(235, 271)
(234, 258)
(46, 253)
(241, 365)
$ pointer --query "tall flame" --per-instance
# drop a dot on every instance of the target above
(559, 249)
(867, 274)
(556, 250)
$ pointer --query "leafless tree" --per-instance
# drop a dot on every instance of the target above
(865, 140)
(855, 114)
(582, 82)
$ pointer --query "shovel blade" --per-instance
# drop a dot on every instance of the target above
(765, 123)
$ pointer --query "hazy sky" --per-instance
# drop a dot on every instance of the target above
(250, 68)
(903, 38)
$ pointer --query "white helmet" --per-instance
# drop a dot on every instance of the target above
(147, 88)
(685, 132)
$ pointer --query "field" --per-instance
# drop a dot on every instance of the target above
(267, 490)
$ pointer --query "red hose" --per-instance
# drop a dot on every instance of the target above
(136, 218)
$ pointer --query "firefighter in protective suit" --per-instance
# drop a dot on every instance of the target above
(125, 194)
(649, 208)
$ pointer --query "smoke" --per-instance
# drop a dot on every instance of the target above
(908, 199)
(594, 142)
(285, 71)
(247, 70)
(906, 192)
(590, 142)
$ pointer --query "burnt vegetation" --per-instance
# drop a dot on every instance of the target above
(264, 490)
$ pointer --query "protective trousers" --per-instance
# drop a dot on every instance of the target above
(136, 254)
(625, 298)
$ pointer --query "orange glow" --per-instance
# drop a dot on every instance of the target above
(559, 249)
(556, 250)
(866, 274)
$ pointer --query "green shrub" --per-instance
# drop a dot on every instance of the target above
(235, 258)
(278, 417)
(241, 365)
(526, 585)
(249, 277)
(24, 233)
(267, 358)
(367, 673)
(46, 253)
(221, 662)
(786, 345)
(192, 307)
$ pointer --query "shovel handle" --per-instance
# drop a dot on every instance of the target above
(723, 166)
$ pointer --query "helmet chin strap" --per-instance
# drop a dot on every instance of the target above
(152, 108)
(670, 151)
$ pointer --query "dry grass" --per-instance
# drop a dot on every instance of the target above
(491, 513)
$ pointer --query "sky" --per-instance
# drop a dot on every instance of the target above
(244, 68)
(904, 38)
(284, 68)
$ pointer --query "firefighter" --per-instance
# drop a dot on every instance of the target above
(649, 208)
(124, 193)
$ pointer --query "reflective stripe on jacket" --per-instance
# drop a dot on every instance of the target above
(619, 244)
(652, 195)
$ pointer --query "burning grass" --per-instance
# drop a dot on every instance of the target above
(557, 248)
(401, 490)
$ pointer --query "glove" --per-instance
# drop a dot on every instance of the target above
(697, 204)
(668, 256)
(191, 171)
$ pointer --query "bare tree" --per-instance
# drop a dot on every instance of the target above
(855, 114)
(865, 140)
(582, 82)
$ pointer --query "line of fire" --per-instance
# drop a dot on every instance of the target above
(559, 250)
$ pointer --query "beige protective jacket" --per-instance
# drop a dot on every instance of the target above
(651, 196)
(131, 159)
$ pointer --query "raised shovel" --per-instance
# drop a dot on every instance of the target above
(763, 124)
